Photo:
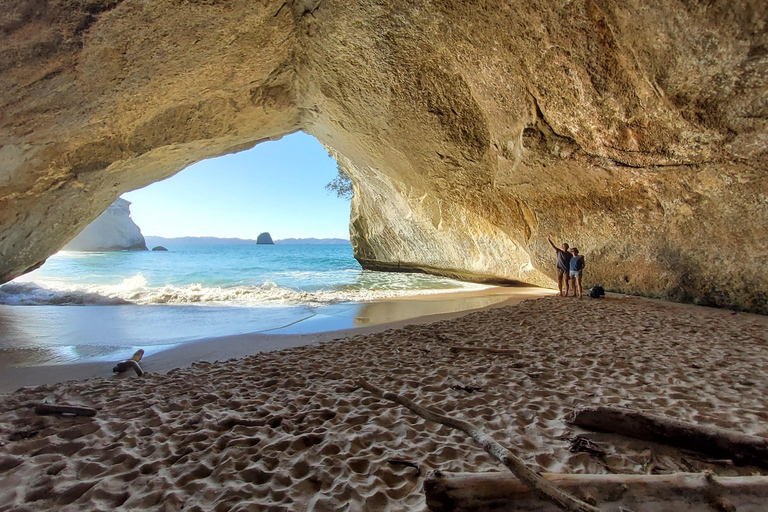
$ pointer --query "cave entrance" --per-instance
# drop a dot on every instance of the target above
(214, 280)
(277, 187)
(242, 228)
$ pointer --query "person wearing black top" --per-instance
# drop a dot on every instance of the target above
(577, 267)
(563, 266)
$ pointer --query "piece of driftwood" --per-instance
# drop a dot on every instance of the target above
(468, 389)
(490, 350)
(582, 444)
(712, 441)
(132, 363)
(64, 409)
(545, 489)
(680, 492)
(407, 463)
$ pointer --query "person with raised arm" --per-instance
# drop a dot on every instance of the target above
(563, 266)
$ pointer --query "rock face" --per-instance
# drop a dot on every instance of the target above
(264, 239)
(113, 230)
(634, 130)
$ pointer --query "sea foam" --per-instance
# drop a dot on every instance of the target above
(135, 290)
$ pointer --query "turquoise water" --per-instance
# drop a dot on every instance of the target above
(85, 306)
(236, 275)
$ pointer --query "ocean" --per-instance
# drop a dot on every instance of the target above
(103, 306)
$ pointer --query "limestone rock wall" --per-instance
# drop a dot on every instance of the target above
(113, 230)
(634, 130)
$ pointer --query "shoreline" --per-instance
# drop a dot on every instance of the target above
(330, 323)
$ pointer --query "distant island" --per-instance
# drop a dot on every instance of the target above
(264, 239)
(313, 241)
(153, 241)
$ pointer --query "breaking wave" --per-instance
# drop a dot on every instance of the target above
(135, 290)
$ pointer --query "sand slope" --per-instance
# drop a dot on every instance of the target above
(289, 430)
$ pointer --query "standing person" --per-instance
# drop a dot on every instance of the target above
(577, 266)
(563, 262)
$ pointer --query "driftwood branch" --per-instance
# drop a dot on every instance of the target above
(712, 441)
(64, 409)
(546, 490)
(407, 463)
(462, 492)
(128, 364)
(132, 363)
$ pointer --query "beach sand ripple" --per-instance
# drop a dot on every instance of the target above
(290, 430)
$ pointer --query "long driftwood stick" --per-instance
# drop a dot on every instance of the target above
(64, 409)
(541, 486)
(712, 441)
(461, 492)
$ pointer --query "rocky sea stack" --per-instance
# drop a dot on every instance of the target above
(637, 131)
(264, 239)
(113, 230)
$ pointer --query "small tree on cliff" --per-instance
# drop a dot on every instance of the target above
(341, 184)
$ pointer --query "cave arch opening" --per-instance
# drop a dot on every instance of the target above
(278, 186)
(216, 216)
(216, 286)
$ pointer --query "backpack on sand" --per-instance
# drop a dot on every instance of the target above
(596, 292)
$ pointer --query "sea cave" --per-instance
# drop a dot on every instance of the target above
(470, 130)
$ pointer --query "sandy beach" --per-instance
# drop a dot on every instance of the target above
(291, 430)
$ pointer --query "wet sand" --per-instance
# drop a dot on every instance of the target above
(19, 368)
(290, 429)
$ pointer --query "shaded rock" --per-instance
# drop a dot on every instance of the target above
(264, 239)
(159, 248)
(635, 131)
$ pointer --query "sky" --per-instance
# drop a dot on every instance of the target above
(278, 187)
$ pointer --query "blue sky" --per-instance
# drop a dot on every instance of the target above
(278, 186)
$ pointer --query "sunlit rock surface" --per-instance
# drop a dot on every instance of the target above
(113, 230)
(634, 130)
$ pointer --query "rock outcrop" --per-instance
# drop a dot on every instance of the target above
(264, 239)
(634, 130)
(113, 230)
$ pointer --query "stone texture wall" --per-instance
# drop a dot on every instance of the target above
(636, 131)
(113, 230)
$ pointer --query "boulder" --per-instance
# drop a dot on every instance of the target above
(113, 230)
(264, 239)
(160, 248)
(634, 130)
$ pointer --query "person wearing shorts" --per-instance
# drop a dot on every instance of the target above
(576, 268)
(563, 266)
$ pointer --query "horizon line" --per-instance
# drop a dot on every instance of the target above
(247, 239)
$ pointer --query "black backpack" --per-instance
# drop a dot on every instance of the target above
(596, 292)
